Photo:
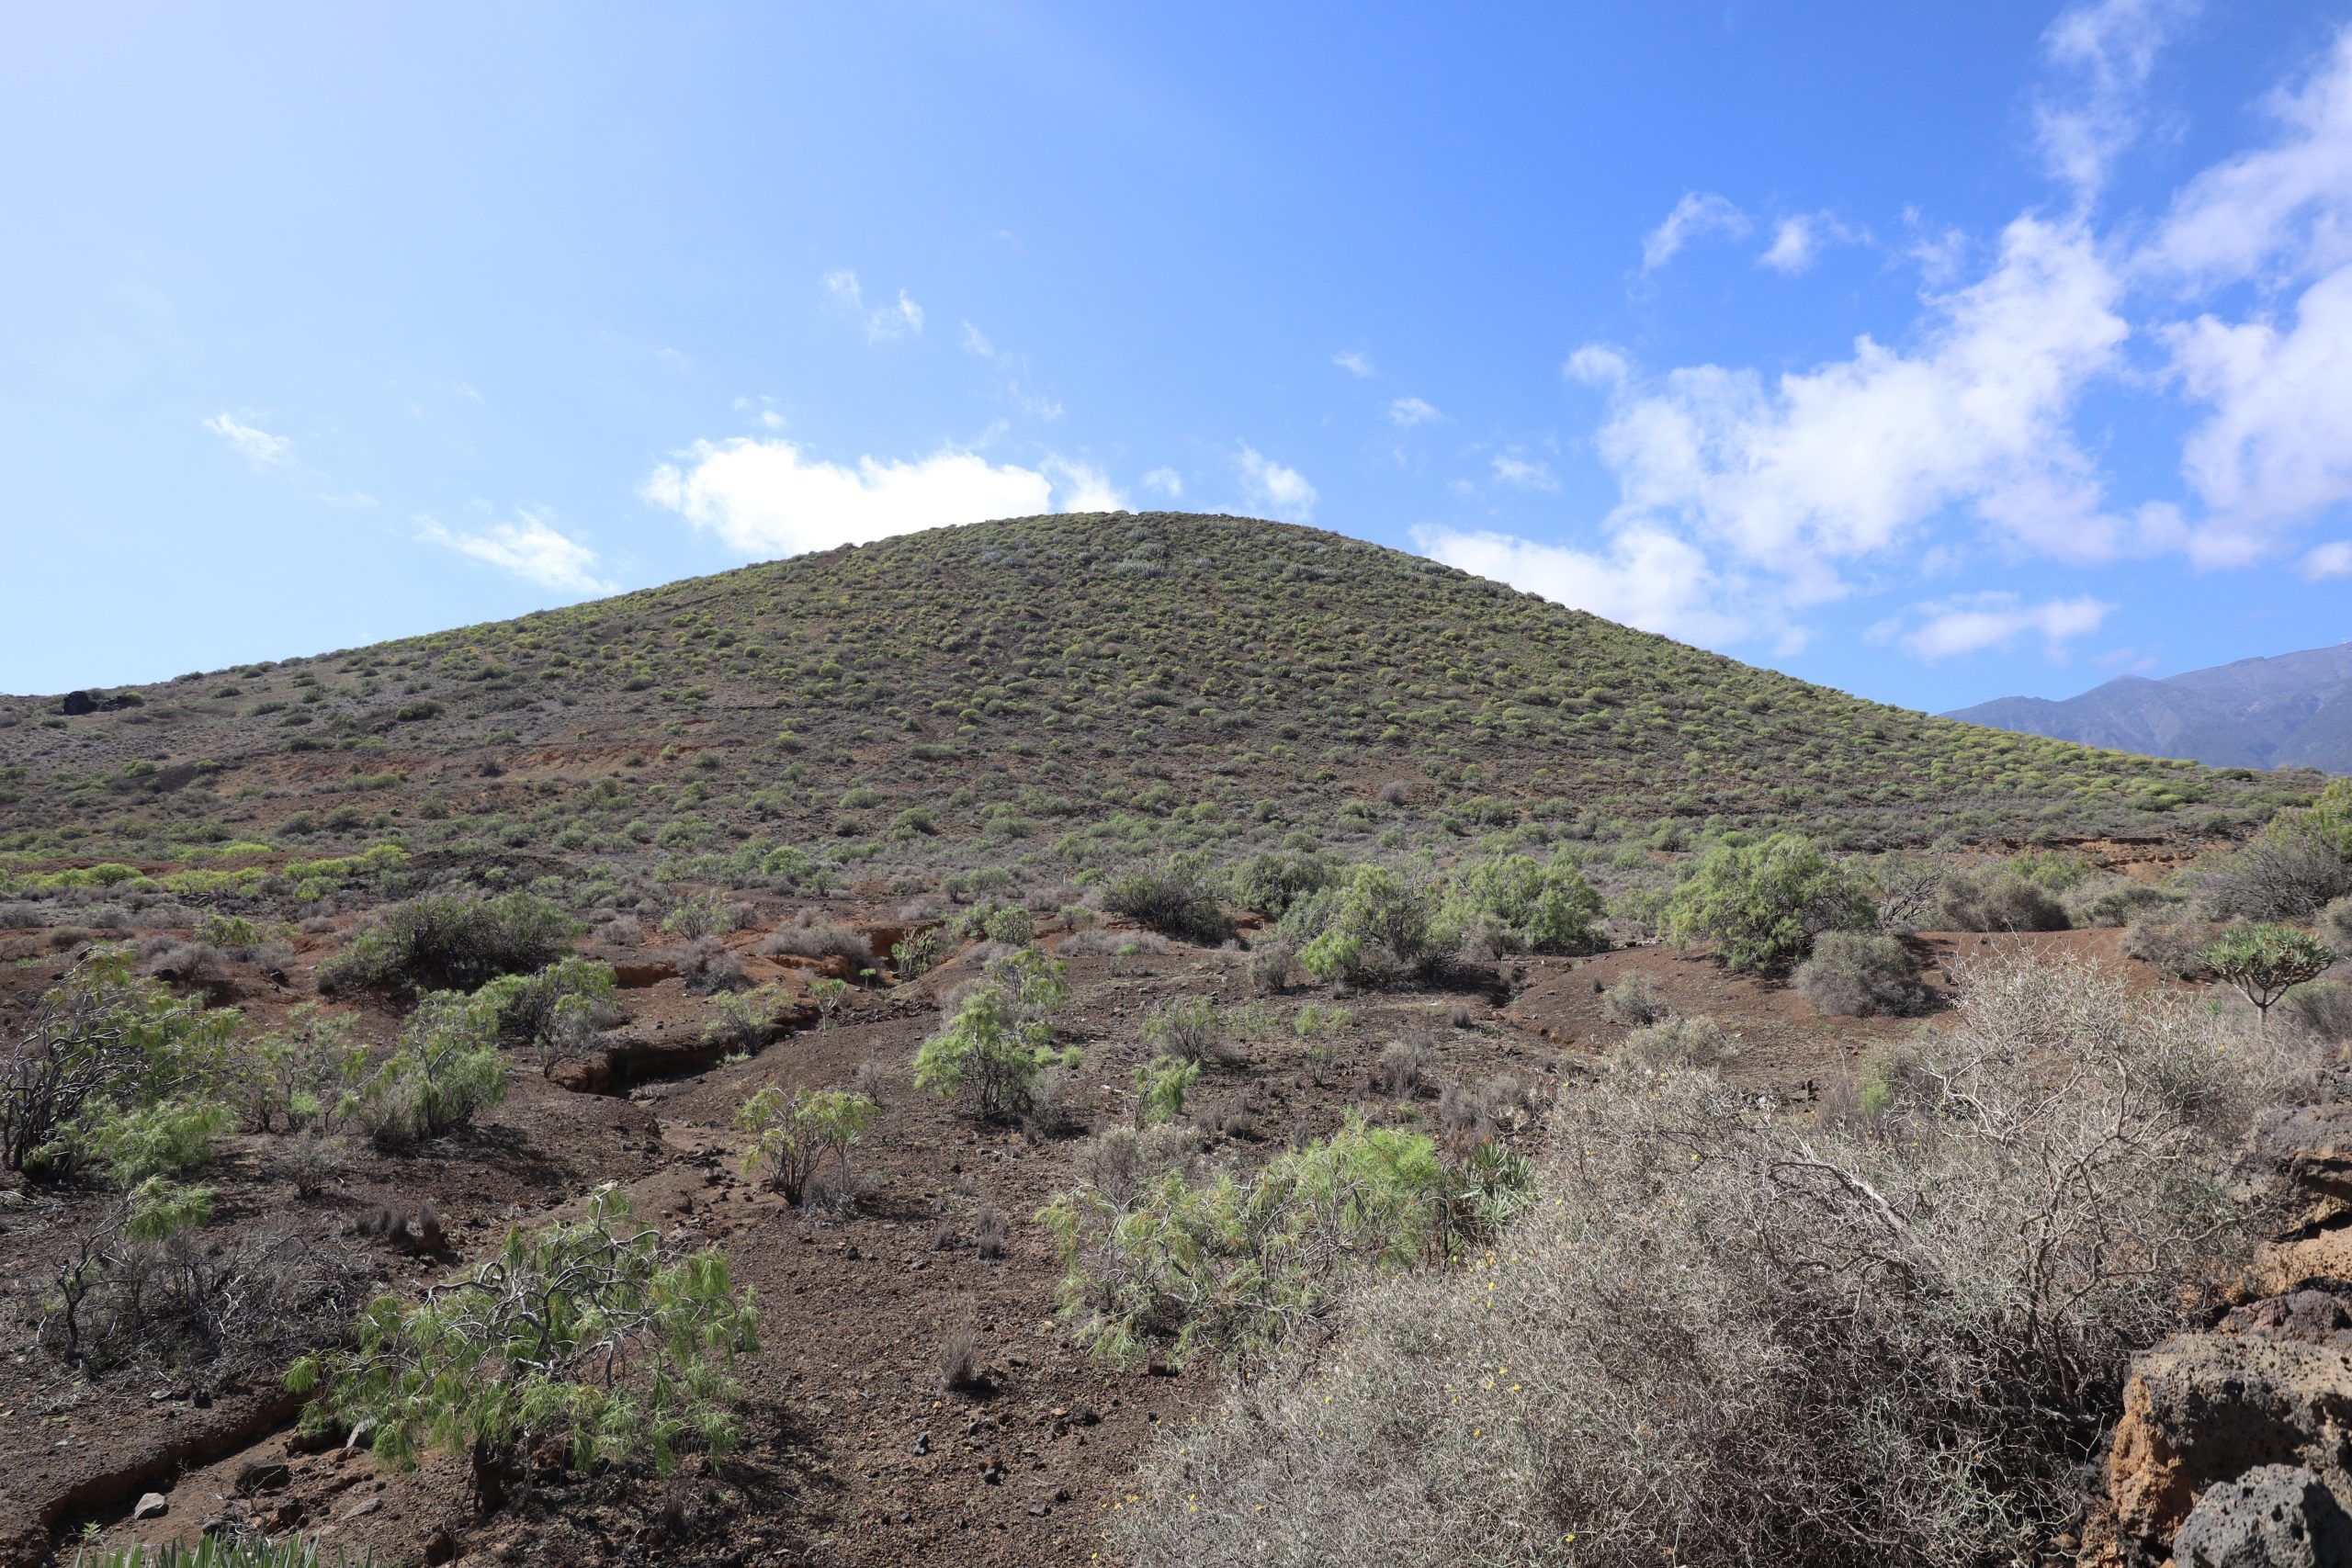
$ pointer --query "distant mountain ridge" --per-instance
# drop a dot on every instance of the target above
(2291, 711)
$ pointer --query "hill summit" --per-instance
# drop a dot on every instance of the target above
(980, 685)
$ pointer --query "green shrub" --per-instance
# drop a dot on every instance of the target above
(1371, 928)
(447, 1067)
(222, 1551)
(1270, 883)
(999, 1038)
(794, 1135)
(920, 953)
(559, 1011)
(1513, 904)
(101, 1045)
(303, 1076)
(169, 1137)
(1173, 900)
(442, 942)
(1762, 905)
(1160, 1087)
(1187, 1028)
(590, 1331)
(705, 914)
(1235, 1263)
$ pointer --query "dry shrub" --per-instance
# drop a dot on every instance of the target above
(1857, 975)
(991, 1233)
(1724, 1335)
(1099, 943)
(1998, 899)
(1635, 1002)
(706, 966)
(2323, 1010)
(2176, 947)
(1678, 1043)
(2335, 925)
(818, 942)
(959, 1361)
(1403, 1063)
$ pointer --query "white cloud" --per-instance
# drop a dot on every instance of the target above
(256, 447)
(2331, 559)
(532, 549)
(1647, 578)
(883, 322)
(1167, 481)
(1355, 362)
(1969, 623)
(1281, 492)
(2278, 445)
(2292, 198)
(1081, 487)
(763, 498)
(1700, 212)
(1527, 473)
(977, 342)
(1846, 459)
(2108, 47)
(1598, 365)
(1797, 242)
(1412, 411)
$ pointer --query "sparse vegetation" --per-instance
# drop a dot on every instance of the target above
(795, 1135)
(442, 942)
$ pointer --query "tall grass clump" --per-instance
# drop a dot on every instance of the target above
(1722, 1333)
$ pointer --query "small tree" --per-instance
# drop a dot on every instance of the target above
(1762, 905)
(299, 1076)
(2265, 960)
(1001, 1038)
(796, 1133)
(828, 994)
(591, 1329)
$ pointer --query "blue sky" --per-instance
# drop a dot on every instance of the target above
(1935, 352)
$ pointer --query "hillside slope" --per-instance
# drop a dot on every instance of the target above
(2294, 710)
(1155, 679)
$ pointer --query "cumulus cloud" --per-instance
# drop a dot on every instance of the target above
(1410, 412)
(2278, 445)
(2104, 49)
(1821, 466)
(256, 447)
(1276, 491)
(1698, 214)
(1645, 578)
(1167, 481)
(1355, 362)
(2290, 201)
(764, 498)
(532, 548)
(883, 324)
(1969, 623)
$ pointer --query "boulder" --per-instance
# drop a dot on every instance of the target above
(2275, 1516)
(2205, 1408)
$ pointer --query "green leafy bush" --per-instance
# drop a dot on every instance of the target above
(1187, 1028)
(301, 1077)
(1175, 900)
(999, 1037)
(1239, 1263)
(442, 942)
(101, 1045)
(590, 1331)
(1762, 905)
(795, 1133)
(1160, 1087)
(1270, 883)
(1373, 926)
(447, 1067)
(1510, 903)
(559, 1011)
